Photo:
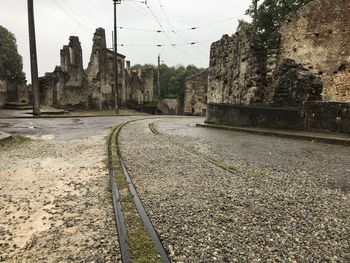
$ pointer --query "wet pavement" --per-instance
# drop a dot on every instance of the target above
(258, 151)
(64, 129)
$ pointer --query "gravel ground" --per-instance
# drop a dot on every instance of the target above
(55, 203)
(283, 200)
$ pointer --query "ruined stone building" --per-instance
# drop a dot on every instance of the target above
(196, 89)
(67, 86)
(235, 70)
(12, 89)
(70, 86)
(301, 79)
(100, 73)
(140, 87)
(318, 37)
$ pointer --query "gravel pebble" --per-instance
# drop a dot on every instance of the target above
(278, 207)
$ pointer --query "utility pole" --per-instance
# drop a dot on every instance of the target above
(159, 77)
(116, 77)
(33, 59)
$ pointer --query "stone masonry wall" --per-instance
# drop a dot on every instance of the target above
(318, 37)
(67, 85)
(236, 72)
(100, 73)
(196, 89)
(141, 87)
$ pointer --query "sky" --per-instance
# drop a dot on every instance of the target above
(56, 20)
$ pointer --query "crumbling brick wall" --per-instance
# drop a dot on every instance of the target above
(196, 89)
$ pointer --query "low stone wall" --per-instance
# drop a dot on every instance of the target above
(169, 106)
(255, 116)
(74, 98)
(327, 116)
(2, 99)
(314, 116)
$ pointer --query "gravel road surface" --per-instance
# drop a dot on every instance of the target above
(282, 201)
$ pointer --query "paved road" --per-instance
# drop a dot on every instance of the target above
(63, 128)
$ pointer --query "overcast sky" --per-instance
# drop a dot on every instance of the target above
(56, 20)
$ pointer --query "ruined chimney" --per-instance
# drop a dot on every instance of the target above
(65, 61)
(75, 51)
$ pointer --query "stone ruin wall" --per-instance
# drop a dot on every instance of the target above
(309, 56)
(70, 86)
(318, 37)
(235, 73)
(169, 106)
(140, 85)
(67, 86)
(196, 89)
(100, 73)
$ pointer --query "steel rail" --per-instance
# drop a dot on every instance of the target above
(139, 206)
(117, 207)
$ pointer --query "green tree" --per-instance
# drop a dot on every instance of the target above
(271, 14)
(10, 61)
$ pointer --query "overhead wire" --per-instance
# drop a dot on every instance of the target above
(167, 36)
(167, 45)
(71, 15)
(185, 29)
(175, 32)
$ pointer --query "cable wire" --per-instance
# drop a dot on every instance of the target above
(167, 36)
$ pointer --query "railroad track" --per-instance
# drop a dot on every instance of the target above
(191, 149)
(130, 213)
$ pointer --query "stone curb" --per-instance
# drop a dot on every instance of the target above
(5, 136)
(62, 116)
(283, 134)
(90, 116)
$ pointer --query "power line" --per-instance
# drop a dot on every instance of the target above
(71, 15)
(142, 30)
(172, 44)
(184, 29)
(165, 14)
(77, 14)
(167, 45)
(173, 29)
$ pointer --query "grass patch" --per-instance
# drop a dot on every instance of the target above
(223, 165)
(255, 174)
(14, 142)
(140, 243)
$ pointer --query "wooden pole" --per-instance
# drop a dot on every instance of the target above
(33, 60)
